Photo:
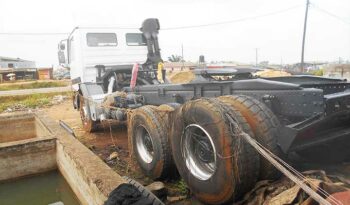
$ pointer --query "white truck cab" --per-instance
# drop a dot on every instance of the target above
(105, 60)
(88, 47)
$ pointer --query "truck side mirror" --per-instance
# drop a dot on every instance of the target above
(62, 47)
(61, 58)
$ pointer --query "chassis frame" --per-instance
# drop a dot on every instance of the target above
(312, 110)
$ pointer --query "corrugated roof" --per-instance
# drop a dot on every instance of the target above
(3, 58)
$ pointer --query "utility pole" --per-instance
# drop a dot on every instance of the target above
(304, 33)
(281, 63)
(182, 56)
(256, 57)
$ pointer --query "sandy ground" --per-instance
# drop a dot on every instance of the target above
(97, 140)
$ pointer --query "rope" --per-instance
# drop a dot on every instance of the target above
(120, 163)
(277, 163)
(302, 177)
(236, 130)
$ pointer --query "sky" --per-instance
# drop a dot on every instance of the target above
(277, 37)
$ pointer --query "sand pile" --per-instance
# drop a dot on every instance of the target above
(271, 73)
(181, 77)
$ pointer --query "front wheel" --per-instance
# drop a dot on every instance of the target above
(88, 124)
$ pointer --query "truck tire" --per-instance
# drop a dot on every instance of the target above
(88, 124)
(265, 126)
(151, 147)
(145, 192)
(216, 163)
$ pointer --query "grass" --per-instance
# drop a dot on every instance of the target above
(28, 101)
(182, 187)
(33, 85)
(178, 187)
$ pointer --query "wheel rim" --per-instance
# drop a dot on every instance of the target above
(144, 144)
(199, 152)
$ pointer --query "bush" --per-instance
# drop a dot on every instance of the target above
(318, 72)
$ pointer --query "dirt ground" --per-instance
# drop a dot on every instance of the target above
(108, 139)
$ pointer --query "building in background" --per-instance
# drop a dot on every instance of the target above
(45, 73)
(341, 71)
(309, 67)
(17, 68)
(179, 66)
(6, 62)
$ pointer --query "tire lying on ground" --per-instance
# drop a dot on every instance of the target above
(263, 123)
(88, 124)
(151, 146)
(216, 164)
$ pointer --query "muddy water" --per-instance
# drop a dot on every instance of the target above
(47, 189)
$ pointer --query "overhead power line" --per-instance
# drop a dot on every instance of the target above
(330, 14)
(172, 28)
(201, 25)
(33, 34)
(234, 20)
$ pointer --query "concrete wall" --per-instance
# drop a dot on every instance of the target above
(20, 126)
(17, 127)
(337, 71)
(89, 177)
(27, 157)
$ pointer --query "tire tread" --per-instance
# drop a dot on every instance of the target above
(268, 128)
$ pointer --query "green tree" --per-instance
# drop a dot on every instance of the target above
(318, 72)
(175, 58)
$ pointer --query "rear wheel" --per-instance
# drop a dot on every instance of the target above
(263, 123)
(88, 124)
(216, 163)
(151, 147)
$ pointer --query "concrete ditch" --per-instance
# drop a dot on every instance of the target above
(24, 152)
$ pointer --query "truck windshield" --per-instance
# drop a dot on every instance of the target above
(101, 39)
(135, 39)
